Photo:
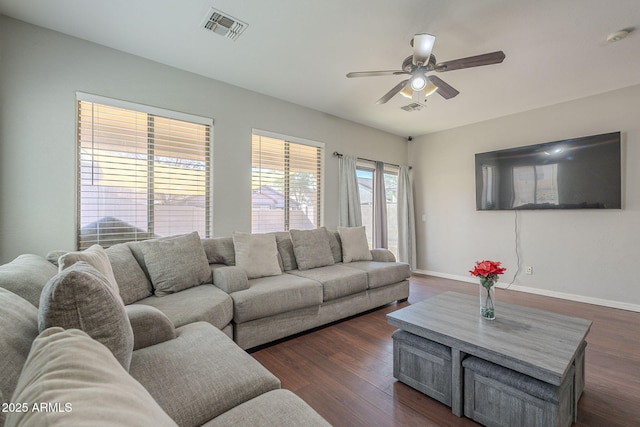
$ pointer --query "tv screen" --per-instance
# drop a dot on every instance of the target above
(579, 173)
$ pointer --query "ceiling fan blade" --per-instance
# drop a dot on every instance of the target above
(422, 46)
(376, 73)
(444, 89)
(472, 61)
(393, 92)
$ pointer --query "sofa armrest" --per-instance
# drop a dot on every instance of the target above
(150, 325)
(383, 255)
(230, 279)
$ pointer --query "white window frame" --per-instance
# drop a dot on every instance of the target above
(321, 183)
(152, 111)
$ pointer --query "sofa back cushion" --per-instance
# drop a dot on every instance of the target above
(355, 246)
(95, 256)
(285, 250)
(220, 250)
(133, 284)
(312, 248)
(18, 329)
(257, 254)
(26, 276)
(335, 244)
(80, 297)
(173, 263)
(91, 390)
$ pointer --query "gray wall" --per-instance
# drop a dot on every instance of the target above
(588, 255)
(40, 72)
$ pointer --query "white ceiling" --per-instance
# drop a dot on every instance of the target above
(300, 50)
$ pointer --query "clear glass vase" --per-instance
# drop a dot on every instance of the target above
(487, 299)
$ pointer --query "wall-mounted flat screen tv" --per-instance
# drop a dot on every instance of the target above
(579, 173)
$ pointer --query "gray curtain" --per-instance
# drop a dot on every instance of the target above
(380, 238)
(348, 193)
(406, 219)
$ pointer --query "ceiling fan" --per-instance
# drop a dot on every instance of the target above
(420, 85)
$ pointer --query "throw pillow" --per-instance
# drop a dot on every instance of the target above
(354, 244)
(334, 243)
(176, 263)
(257, 254)
(220, 250)
(133, 284)
(285, 249)
(90, 389)
(312, 248)
(81, 297)
(94, 256)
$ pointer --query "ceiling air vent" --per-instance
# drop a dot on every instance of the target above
(414, 106)
(223, 24)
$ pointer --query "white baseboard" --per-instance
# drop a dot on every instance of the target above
(537, 291)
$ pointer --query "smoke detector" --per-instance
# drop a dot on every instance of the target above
(414, 106)
(223, 24)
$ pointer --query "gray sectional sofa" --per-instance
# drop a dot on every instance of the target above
(161, 317)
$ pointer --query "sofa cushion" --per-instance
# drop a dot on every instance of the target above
(220, 250)
(382, 273)
(200, 374)
(257, 254)
(311, 248)
(26, 276)
(92, 389)
(267, 296)
(175, 263)
(280, 408)
(337, 280)
(133, 284)
(80, 297)
(285, 250)
(96, 257)
(200, 303)
(335, 244)
(354, 244)
(18, 329)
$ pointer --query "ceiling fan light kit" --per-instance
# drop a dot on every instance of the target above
(420, 85)
(418, 82)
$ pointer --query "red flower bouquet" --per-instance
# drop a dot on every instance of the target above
(488, 272)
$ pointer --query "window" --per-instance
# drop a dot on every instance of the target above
(142, 172)
(366, 181)
(286, 183)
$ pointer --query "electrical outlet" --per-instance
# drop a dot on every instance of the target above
(528, 269)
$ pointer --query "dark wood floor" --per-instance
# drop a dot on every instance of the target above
(344, 370)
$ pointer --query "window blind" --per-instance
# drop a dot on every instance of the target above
(140, 174)
(286, 183)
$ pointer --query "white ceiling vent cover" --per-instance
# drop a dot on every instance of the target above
(223, 24)
(413, 107)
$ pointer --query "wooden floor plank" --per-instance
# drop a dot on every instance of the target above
(345, 371)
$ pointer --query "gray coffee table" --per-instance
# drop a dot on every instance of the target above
(545, 346)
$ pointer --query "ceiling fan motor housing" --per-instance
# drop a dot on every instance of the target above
(407, 64)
